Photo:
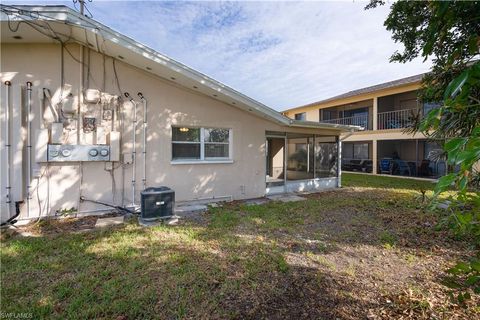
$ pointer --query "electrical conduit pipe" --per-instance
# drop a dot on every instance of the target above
(8, 148)
(144, 151)
(29, 144)
(134, 129)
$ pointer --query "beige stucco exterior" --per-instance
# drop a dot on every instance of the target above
(399, 97)
(57, 187)
(312, 109)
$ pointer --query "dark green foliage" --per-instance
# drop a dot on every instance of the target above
(448, 32)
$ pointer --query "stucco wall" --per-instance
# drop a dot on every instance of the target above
(59, 186)
(313, 108)
(401, 97)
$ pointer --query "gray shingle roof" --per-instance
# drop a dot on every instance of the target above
(378, 87)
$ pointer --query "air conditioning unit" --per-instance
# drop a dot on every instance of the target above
(157, 203)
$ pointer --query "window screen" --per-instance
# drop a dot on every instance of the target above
(200, 143)
(185, 143)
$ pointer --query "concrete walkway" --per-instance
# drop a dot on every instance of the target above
(110, 221)
(286, 197)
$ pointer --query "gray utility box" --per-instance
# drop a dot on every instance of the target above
(74, 153)
(157, 203)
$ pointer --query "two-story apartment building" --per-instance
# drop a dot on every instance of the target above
(383, 112)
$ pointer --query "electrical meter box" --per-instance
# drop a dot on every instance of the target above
(75, 153)
(157, 203)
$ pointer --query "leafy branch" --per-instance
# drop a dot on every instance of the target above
(448, 32)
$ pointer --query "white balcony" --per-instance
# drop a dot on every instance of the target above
(397, 119)
(360, 121)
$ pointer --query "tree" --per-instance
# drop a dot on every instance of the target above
(448, 32)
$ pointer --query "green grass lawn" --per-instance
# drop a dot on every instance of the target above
(370, 181)
(345, 254)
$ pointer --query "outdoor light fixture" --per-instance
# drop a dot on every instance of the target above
(184, 129)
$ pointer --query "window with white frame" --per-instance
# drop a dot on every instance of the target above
(200, 144)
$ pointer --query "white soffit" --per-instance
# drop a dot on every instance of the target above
(101, 38)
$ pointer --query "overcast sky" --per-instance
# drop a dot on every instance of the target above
(283, 54)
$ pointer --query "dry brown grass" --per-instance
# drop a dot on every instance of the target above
(363, 252)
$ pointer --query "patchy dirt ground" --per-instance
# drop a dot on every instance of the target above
(360, 253)
(355, 253)
(56, 226)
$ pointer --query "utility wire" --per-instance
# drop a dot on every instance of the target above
(82, 2)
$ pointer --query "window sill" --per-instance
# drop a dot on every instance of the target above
(201, 161)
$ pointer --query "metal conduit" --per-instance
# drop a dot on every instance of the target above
(144, 137)
(29, 144)
(8, 148)
(134, 129)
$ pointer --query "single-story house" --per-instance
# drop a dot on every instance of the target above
(87, 112)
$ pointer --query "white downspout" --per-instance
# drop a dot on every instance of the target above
(8, 149)
(339, 164)
(29, 144)
(144, 152)
(80, 95)
(134, 161)
(80, 107)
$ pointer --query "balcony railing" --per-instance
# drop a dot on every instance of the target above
(360, 121)
(397, 119)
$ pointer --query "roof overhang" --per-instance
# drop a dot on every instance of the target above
(321, 125)
(365, 93)
(49, 24)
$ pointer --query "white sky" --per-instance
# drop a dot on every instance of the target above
(283, 54)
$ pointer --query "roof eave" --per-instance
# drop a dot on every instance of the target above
(76, 19)
(346, 96)
(321, 125)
